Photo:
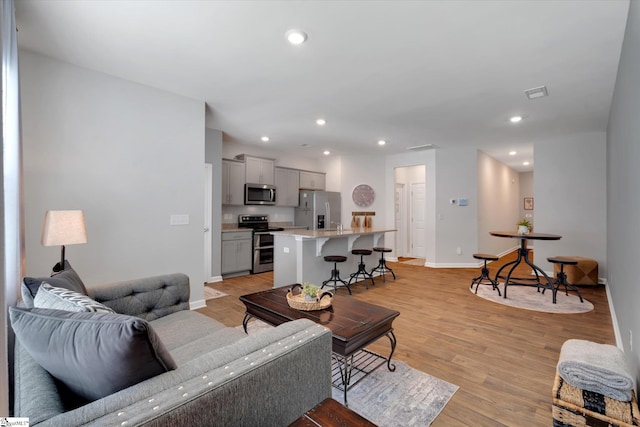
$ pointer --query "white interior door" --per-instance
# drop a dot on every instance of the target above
(400, 208)
(418, 220)
(208, 207)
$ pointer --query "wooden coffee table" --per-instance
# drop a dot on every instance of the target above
(354, 325)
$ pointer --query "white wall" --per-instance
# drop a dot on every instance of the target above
(364, 170)
(570, 198)
(526, 190)
(498, 201)
(623, 203)
(213, 155)
(456, 226)
(128, 155)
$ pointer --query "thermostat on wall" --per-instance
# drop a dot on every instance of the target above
(462, 202)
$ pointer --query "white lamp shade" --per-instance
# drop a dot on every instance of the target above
(64, 228)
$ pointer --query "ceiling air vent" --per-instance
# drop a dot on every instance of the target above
(422, 147)
(536, 92)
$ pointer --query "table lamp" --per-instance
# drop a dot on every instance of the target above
(63, 228)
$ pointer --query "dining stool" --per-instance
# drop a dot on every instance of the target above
(382, 265)
(484, 275)
(561, 277)
(362, 270)
(335, 273)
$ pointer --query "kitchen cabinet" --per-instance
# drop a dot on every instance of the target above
(237, 249)
(232, 182)
(258, 170)
(312, 180)
(287, 185)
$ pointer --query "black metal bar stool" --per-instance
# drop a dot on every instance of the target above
(484, 275)
(561, 276)
(335, 273)
(362, 267)
(382, 265)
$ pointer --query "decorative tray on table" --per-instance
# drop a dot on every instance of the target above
(302, 301)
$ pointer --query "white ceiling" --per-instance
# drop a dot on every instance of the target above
(449, 73)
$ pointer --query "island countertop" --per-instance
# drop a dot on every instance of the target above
(314, 234)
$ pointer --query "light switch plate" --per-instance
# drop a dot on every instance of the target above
(179, 219)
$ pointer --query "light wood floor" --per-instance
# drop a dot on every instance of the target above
(503, 359)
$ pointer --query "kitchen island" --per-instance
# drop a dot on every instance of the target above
(299, 254)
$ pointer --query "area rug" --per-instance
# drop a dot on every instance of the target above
(210, 293)
(406, 397)
(529, 298)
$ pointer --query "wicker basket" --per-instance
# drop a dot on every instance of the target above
(299, 302)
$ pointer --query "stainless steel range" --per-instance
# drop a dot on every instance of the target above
(263, 241)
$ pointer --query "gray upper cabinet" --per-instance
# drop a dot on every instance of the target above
(232, 182)
(258, 170)
(287, 184)
(312, 180)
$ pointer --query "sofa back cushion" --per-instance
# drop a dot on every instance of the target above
(67, 279)
(92, 354)
(63, 299)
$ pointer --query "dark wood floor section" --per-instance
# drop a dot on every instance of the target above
(502, 358)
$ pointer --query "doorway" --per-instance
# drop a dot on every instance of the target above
(208, 209)
(410, 211)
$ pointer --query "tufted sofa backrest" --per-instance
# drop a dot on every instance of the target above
(148, 298)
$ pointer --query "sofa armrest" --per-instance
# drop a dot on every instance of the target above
(148, 298)
(266, 379)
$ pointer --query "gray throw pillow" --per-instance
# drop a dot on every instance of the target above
(92, 354)
(63, 299)
(67, 279)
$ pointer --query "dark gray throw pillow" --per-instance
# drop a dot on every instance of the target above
(67, 279)
(92, 354)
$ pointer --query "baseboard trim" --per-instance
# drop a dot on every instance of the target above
(614, 320)
(214, 279)
(452, 265)
(194, 305)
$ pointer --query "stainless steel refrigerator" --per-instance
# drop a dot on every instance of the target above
(318, 210)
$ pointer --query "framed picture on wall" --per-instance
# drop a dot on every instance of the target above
(528, 203)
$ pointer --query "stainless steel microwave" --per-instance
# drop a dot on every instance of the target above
(259, 194)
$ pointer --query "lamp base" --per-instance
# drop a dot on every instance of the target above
(61, 267)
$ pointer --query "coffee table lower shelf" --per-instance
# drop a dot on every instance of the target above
(346, 372)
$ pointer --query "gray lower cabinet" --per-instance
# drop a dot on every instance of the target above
(237, 249)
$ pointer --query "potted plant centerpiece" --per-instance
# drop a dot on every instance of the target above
(524, 227)
(310, 291)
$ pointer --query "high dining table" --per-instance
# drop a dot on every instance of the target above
(523, 256)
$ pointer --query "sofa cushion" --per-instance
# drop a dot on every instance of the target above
(67, 279)
(92, 354)
(64, 299)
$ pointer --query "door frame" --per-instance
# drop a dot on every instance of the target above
(208, 213)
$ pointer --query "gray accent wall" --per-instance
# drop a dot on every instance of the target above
(623, 187)
(129, 155)
(570, 198)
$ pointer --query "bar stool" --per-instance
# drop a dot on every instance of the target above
(561, 276)
(361, 267)
(382, 265)
(335, 273)
(484, 275)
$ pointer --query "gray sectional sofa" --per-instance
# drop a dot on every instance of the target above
(223, 377)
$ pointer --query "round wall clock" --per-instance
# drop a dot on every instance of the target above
(363, 195)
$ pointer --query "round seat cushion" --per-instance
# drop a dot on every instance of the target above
(335, 258)
(488, 257)
(380, 249)
(361, 252)
(562, 260)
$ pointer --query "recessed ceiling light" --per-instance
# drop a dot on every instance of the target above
(515, 119)
(296, 37)
(265, 139)
(321, 122)
(512, 153)
(536, 92)
(525, 163)
(327, 152)
(382, 142)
